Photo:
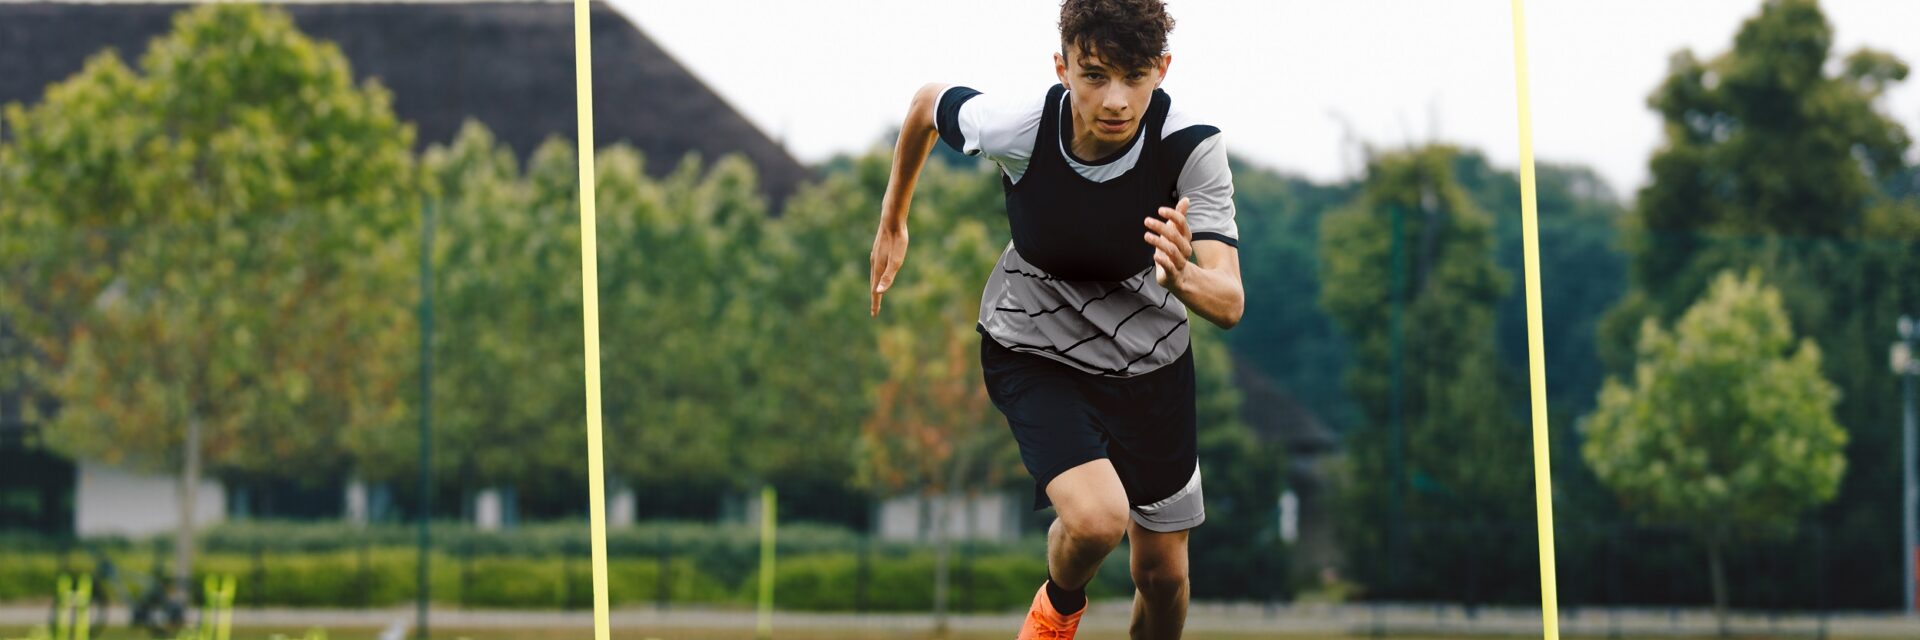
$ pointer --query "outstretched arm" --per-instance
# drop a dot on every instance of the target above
(909, 155)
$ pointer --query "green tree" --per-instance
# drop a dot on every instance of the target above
(709, 326)
(1450, 386)
(506, 288)
(1279, 217)
(1243, 556)
(1727, 427)
(206, 248)
(933, 430)
(814, 354)
(1582, 275)
(1776, 158)
(680, 295)
(1582, 269)
(723, 325)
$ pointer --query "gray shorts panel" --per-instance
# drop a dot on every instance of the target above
(1185, 509)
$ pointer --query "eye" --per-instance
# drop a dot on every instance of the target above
(1093, 77)
(1136, 76)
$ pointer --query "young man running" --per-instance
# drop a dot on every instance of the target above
(1109, 190)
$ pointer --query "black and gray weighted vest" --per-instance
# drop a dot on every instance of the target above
(1077, 229)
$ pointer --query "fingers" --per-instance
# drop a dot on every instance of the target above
(1177, 217)
(1175, 227)
(889, 252)
(1174, 230)
(1163, 268)
(1178, 210)
(1165, 254)
(883, 282)
(1172, 243)
(873, 281)
(1161, 242)
(1180, 217)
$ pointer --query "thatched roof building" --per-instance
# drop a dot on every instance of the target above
(507, 64)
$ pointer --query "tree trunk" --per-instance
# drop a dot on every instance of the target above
(940, 565)
(189, 490)
(956, 476)
(969, 524)
(1717, 571)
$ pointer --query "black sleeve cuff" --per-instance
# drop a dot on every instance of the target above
(947, 116)
(1209, 235)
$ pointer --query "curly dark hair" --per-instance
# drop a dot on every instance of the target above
(1126, 34)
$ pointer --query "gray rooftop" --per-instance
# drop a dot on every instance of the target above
(506, 64)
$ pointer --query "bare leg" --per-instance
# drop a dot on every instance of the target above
(1093, 518)
(1159, 567)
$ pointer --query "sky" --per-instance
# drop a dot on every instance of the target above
(1294, 85)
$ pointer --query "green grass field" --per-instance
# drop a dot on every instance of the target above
(264, 633)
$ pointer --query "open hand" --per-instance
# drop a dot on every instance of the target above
(1172, 242)
(889, 250)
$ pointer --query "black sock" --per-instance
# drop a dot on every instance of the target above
(1064, 601)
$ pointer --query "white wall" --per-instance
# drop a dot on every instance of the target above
(489, 510)
(110, 500)
(621, 508)
(357, 511)
(988, 516)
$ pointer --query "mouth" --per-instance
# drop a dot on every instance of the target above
(1112, 126)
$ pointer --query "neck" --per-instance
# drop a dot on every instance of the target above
(1087, 147)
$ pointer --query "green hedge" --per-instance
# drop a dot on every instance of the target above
(545, 566)
(830, 582)
(28, 576)
(536, 539)
(541, 539)
(385, 577)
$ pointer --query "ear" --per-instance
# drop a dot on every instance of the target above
(1166, 60)
(1060, 68)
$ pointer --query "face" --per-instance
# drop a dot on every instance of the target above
(1108, 102)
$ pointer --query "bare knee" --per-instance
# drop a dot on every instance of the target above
(1160, 582)
(1092, 505)
(1159, 564)
(1101, 525)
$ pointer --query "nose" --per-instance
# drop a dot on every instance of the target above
(1114, 103)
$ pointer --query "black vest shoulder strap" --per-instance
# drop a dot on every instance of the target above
(1043, 147)
(1155, 118)
(1179, 146)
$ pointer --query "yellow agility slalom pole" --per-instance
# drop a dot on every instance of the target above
(63, 604)
(222, 630)
(590, 314)
(1536, 361)
(82, 620)
(765, 630)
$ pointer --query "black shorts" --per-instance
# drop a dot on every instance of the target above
(1064, 417)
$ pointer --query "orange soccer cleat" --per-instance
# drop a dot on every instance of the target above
(1046, 623)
